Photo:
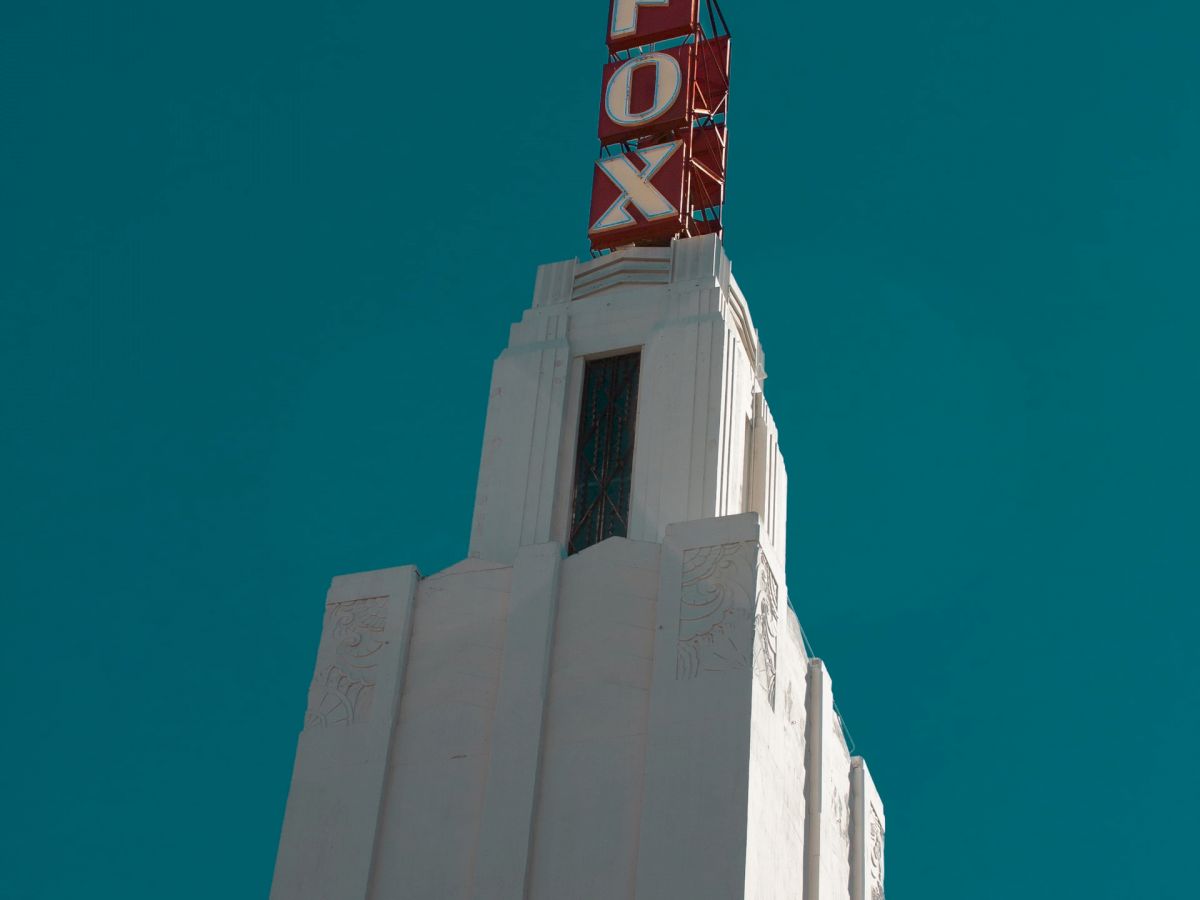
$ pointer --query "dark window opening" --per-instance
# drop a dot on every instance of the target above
(604, 451)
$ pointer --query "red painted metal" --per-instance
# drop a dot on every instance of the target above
(707, 168)
(642, 95)
(655, 23)
(693, 179)
(712, 75)
(670, 181)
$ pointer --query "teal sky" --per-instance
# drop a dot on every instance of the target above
(256, 260)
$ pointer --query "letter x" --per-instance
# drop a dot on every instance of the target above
(636, 187)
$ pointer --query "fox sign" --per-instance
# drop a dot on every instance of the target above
(663, 99)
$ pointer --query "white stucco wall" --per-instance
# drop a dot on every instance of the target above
(693, 837)
(868, 831)
(441, 747)
(776, 808)
(700, 387)
(327, 848)
(590, 797)
(638, 720)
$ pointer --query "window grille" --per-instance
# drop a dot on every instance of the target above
(604, 451)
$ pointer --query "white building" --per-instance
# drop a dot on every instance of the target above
(610, 697)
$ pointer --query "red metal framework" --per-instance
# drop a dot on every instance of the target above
(663, 110)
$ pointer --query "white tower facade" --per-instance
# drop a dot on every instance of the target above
(610, 697)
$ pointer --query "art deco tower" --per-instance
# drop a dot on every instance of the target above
(609, 697)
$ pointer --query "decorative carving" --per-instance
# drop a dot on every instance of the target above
(716, 610)
(875, 859)
(766, 619)
(344, 682)
(841, 819)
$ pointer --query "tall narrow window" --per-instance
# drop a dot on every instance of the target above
(604, 451)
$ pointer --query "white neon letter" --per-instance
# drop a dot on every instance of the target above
(624, 20)
(667, 81)
(636, 187)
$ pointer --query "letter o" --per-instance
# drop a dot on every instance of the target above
(667, 81)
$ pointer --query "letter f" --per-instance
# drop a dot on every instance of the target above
(625, 15)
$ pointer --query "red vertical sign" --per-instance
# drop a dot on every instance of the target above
(662, 127)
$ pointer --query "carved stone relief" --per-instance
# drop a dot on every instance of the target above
(716, 610)
(344, 682)
(765, 627)
(875, 857)
(841, 818)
